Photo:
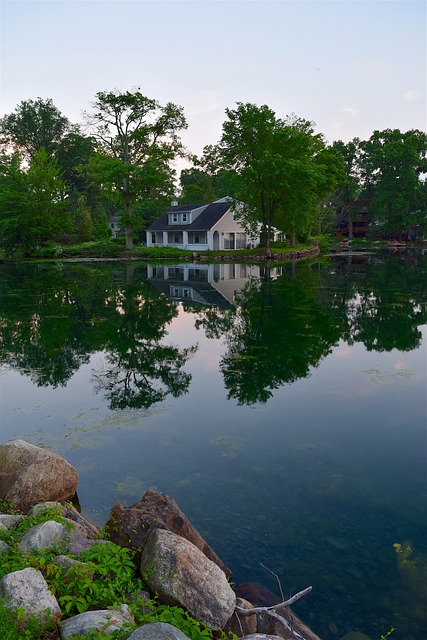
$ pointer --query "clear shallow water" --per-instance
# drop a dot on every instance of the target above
(285, 411)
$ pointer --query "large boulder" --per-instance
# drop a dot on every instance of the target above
(28, 590)
(182, 575)
(29, 474)
(131, 526)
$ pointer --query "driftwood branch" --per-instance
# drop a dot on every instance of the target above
(272, 611)
(287, 603)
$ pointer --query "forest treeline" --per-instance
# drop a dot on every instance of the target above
(62, 182)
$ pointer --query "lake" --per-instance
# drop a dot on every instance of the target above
(283, 408)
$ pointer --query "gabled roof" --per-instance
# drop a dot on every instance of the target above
(204, 221)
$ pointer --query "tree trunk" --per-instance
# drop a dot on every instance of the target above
(129, 237)
(350, 226)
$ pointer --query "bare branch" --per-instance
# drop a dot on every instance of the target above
(287, 603)
(271, 611)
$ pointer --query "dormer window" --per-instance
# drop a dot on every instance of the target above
(174, 217)
(184, 217)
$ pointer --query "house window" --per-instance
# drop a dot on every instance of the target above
(240, 240)
(174, 217)
(153, 238)
(176, 239)
(184, 217)
(196, 238)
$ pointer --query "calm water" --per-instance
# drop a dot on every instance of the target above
(284, 410)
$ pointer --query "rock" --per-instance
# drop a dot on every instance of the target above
(256, 593)
(131, 526)
(29, 475)
(55, 508)
(8, 521)
(105, 620)
(242, 625)
(158, 631)
(355, 635)
(66, 563)
(28, 590)
(4, 548)
(45, 536)
(182, 575)
(260, 636)
(296, 625)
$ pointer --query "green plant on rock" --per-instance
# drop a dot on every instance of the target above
(11, 629)
(146, 612)
(107, 577)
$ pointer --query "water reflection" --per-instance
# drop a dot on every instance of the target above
(53, 319)
(277, 323)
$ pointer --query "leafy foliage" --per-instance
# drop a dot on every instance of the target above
(137, 140)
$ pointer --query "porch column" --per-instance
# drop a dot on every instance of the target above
(165, 237)
(184, 239)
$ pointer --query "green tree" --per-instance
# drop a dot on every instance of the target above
(138, 138)
(32, 203)
(284, 169)
(34, 125)
(393, 165)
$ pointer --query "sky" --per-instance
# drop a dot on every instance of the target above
(351, 67)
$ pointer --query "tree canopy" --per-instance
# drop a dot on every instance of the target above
(284, 169)
(34, 125)
(138, 139)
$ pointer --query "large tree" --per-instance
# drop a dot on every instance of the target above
(138, 138)
(393, 169)
(32, 202)
(34, 125)
(283, 167)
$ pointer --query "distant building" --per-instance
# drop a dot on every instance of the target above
(352, 219)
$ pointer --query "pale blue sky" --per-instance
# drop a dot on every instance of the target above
(349, 66)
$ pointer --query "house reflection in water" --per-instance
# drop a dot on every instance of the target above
(205, 284)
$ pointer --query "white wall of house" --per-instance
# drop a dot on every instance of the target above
(231, 234)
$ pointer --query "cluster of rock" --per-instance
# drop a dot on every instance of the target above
(178, 565)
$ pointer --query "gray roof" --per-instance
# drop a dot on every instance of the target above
(203, 222)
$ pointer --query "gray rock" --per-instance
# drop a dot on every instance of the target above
(28, 590)
(158, 631)
(182, 575)
(56, 507)
(29, 475)
(4, 548)
(45, 536)
(8, 521)
(104, 620)
(260, 636)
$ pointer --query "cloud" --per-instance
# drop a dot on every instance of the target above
(351, 111)
(411, 95)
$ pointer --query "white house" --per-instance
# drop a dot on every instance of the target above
(199, 227)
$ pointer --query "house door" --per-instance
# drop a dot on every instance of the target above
(216, 241)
